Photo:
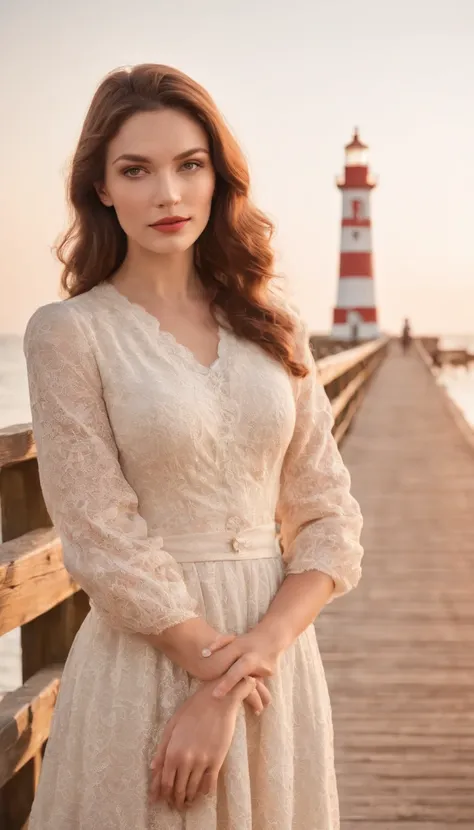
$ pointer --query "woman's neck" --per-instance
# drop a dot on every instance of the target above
(170, 279)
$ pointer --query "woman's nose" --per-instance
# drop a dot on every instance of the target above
(166, 191)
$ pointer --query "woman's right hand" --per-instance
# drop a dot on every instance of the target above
(183, 644)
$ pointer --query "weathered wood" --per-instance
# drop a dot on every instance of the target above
(48, 638)
(25, 718)
(398, 651)
(22, 503)
(16, 444)
(16, 797)
(22, 510)
(33, 578)
(32, 582)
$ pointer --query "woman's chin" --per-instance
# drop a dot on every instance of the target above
(171, 245)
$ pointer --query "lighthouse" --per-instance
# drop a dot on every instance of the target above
(355, 314)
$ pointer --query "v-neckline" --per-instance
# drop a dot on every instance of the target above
(140, 311)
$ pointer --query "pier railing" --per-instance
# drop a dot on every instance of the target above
(38, 596)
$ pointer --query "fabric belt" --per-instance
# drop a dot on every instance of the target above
(252, 543)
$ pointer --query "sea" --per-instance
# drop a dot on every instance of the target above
(15, 409)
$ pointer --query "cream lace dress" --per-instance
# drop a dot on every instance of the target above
(140, 445)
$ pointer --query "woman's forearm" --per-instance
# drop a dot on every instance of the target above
(295, 606)
(183, 644)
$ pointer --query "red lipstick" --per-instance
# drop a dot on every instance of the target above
(170, 224)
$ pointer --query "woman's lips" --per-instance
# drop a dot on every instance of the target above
(173, 226)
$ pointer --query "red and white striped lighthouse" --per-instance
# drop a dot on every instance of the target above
(355, 315)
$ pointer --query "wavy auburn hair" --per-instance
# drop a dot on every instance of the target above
(233, 256)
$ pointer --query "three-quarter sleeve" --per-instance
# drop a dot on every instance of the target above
(107, 548)
(320, 520)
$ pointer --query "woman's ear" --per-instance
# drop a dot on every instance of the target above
(103, 195)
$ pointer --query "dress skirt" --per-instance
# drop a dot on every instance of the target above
(118, 694)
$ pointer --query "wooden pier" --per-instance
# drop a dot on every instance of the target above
(398, 651)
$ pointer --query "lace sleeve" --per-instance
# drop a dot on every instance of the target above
(106, 545)
(320, 520)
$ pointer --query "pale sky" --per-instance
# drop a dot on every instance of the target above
(292, 79)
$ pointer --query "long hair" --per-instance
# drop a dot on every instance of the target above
(233, 256)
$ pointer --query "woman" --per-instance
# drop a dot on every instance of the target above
(177, 414)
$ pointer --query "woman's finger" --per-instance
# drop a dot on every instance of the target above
(181, 783)
(206, 782)
(237, 672)
(220, 642)
(158, 761)
(255, 702)
(167, 780)
(194, 782)
(265, 695)
(260, 698)
(155, 783)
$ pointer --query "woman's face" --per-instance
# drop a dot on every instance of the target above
(158, 166)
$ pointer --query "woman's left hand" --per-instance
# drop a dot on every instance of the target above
(255, 654)
(194, 745)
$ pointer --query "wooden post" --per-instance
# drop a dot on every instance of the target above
(22, 503)
(46, 639)
(17, 796)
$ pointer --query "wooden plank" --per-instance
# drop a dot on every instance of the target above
(398, 651)
(33, 578)
(33, 584)
(16, 444)
(25, 718)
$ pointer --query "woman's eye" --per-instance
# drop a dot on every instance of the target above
(130, 172)
(191, 165)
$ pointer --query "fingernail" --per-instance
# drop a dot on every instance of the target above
(218, 693)
(206, 652)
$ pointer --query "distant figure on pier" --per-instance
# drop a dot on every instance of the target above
(406, 337)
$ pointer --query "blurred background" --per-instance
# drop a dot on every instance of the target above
(292, 82)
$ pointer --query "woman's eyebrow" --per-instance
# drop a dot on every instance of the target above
(146, 160)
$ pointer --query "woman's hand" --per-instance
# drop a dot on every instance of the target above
(184, 644)
(195, 743)
(254, 654)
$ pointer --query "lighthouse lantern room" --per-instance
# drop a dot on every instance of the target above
(355, 314)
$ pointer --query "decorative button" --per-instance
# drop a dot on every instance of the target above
(237, 544)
